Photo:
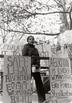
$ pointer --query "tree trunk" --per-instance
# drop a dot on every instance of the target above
(70, 21)
(65, 25)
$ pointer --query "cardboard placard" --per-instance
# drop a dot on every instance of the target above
(61, 79)
(17, 79)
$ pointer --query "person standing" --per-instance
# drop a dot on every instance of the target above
(30, 50)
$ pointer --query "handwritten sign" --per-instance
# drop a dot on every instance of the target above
(17, 75)
(44, 49)
(61, 78)
(11, 49)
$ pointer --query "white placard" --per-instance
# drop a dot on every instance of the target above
(61, 79)
(17, 83)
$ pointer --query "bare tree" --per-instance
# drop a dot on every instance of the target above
(70, 15)
(15, 17)
(63, 16)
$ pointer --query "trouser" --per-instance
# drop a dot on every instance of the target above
(39, 86)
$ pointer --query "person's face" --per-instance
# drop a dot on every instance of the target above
(31, 40)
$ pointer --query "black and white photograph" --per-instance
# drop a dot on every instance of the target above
(35, 51)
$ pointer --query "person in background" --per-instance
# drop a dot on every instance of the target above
(30, 50)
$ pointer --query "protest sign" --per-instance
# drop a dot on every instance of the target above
(61, 79)
(17, 83)
(11, 49)
(44, 49)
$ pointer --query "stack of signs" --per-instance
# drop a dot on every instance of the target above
(17, 80)
(61, 80)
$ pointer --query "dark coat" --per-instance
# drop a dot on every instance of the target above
(30, 50)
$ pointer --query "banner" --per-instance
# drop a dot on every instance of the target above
(17, 80)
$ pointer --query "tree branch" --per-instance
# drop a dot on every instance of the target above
(36, 33)
(50, 13)
(59, 3)
(33, 33)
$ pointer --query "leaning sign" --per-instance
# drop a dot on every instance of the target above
(61, 80)
(17, 83)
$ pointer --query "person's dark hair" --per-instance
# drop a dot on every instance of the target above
(29, 37)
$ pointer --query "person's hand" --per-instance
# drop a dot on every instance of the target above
(33, 68)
